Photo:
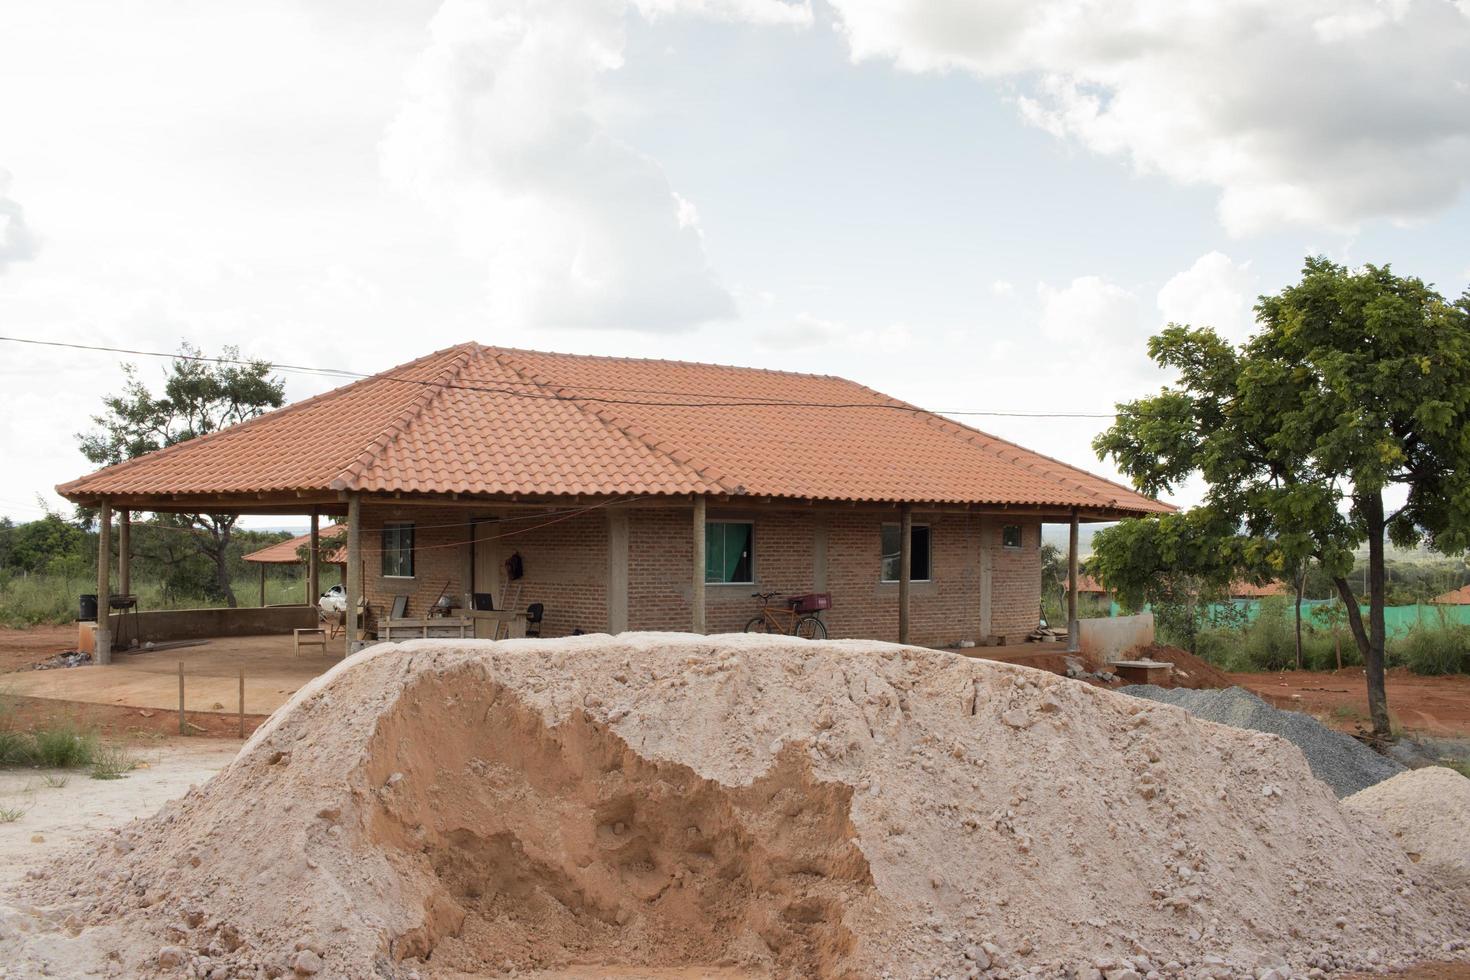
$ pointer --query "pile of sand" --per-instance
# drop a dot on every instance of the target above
(764, 805)
(1339, 760)
(1428, 810)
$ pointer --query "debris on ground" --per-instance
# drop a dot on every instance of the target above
(1189, 670)
(742, 805)
(69, 658)
(1339, 760)
(1428, 810)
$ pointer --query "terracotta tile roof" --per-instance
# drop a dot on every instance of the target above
(502, 421)
(1455, 597)
(285, 552)
(1086, 584)
(1249, 590)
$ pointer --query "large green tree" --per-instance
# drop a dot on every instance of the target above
(200, 395)
(1344, 419)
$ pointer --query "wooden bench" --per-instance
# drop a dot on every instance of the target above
(311, 637)
(440, 627)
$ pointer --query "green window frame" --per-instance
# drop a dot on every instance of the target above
(729, 552)
(398, 550)
(921, 557)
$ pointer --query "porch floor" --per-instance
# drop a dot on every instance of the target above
(150, 679)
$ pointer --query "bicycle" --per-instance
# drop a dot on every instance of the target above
(794, 618)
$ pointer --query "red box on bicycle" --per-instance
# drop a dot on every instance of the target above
(811, 602)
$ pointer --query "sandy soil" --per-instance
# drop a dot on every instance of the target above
(1432, 705)
(19, 649)
(666, 802)
(56, 817)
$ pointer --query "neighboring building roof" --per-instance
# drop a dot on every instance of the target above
(284, 552)
(484, 420)
(1455, 597)
(1249, 590)
(1086, 583)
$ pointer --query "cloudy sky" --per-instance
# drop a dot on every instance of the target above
(975, 205)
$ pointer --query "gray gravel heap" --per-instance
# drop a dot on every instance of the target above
(1339, 760)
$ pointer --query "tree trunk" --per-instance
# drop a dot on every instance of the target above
(1354, 616)
(1371, 507)
(1301, 582)
(217, 547)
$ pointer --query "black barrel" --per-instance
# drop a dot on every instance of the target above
(88, 611)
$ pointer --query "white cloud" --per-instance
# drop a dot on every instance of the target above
(1316, 112)
(1213, 292)
(1002, 287)
(1091, 309)
(501, 134)
(776, 12)
(17, 242)
(807, 332)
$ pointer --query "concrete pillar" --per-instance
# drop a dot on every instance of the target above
(905, 568)
(1073, 640)
(262, 585)
(103, 653)
(314, 563)
(354, 568)
(125, 552)
(696, 594)
(617, 570)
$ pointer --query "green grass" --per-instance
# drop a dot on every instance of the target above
(33, 600)
(63, 747)
(10, 814)
(112, 762)
(54, 781)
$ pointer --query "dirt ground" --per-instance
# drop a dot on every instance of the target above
(56, 816)
(1438, 706)
(20, 649)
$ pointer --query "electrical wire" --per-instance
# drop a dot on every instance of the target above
(545, 395)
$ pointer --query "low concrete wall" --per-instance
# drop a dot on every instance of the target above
(199, 624)
(1110, 639)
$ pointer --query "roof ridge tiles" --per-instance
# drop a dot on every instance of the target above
(661, 360)
(433, 389)
(711, 476)
(292, 408)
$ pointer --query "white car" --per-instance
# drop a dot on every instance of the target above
(333, 600)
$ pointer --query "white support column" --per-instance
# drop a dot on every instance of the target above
(696, 593)
(905, 568)
(1073, 640)
(103, 654)
(354, 568)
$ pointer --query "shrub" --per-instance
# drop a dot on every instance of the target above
(62, 747)
(1435, 650)
(112, 762)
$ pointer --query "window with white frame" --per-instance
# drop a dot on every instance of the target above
(398, 550)
(919, 557)
(729, 553)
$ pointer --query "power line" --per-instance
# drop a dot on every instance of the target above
(544, 395)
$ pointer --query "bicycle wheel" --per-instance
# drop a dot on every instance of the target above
(810, 628)
(757, 624)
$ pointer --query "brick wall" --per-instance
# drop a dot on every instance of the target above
(787, 546)
(565, 562)
(566, 568)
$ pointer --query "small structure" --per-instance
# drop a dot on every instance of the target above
(1249, 590)
(289, 553)
(1087, 585)
(1454, 597)
(637, 494)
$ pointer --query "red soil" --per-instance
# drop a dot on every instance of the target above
(1437, 706)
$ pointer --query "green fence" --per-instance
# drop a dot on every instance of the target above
(1397, 620)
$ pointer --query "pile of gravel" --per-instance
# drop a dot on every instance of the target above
(1339, 760)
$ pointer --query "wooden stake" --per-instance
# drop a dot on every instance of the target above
(183, 726)
(242, 702)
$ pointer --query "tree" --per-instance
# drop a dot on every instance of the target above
(200, 395)
(1357, 383)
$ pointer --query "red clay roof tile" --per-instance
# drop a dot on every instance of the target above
(483, 420)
